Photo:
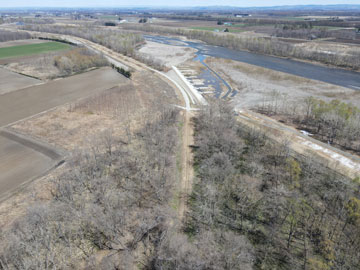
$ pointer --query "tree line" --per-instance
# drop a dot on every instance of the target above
(78, 60)
(307, 31)
(122, 71)
(119, 41)
(11, 35)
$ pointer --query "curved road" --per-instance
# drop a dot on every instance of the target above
(336, 76)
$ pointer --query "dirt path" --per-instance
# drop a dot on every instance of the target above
(187, 172)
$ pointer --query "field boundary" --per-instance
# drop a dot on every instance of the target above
(38, 146)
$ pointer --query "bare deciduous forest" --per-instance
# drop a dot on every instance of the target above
(113, 198)
(119, 41)
(78, 60)
(10, 35)
(254, 204)
(295, 213)
(335, 122)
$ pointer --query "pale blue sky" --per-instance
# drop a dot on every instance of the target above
(119, 3)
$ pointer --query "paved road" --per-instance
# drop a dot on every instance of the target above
(336, 76)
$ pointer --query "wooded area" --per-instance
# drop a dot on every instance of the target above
(112, 198)
(334, 122)
(78, 60)
(295, 213)
(10, 35)
(119, 41)
(254, 205)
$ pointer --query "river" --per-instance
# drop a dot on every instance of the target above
(336, 76)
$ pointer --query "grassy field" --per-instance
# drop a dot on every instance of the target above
(30, 49)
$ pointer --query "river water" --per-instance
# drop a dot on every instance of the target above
(336, 76)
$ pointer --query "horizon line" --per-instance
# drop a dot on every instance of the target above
(197, 6)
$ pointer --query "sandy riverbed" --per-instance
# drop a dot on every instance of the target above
(167, 54)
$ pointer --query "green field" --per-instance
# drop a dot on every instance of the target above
(30, 49)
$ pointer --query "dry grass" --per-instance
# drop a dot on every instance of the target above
(257, 84)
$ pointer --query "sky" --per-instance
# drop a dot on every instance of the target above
(120, 3)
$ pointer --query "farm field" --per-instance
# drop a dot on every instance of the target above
(109, 17)
(22, 159)
(21, 42)
(31, 49)
(19, 163)
(23, 103)
(231, 29)
(11, 81)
